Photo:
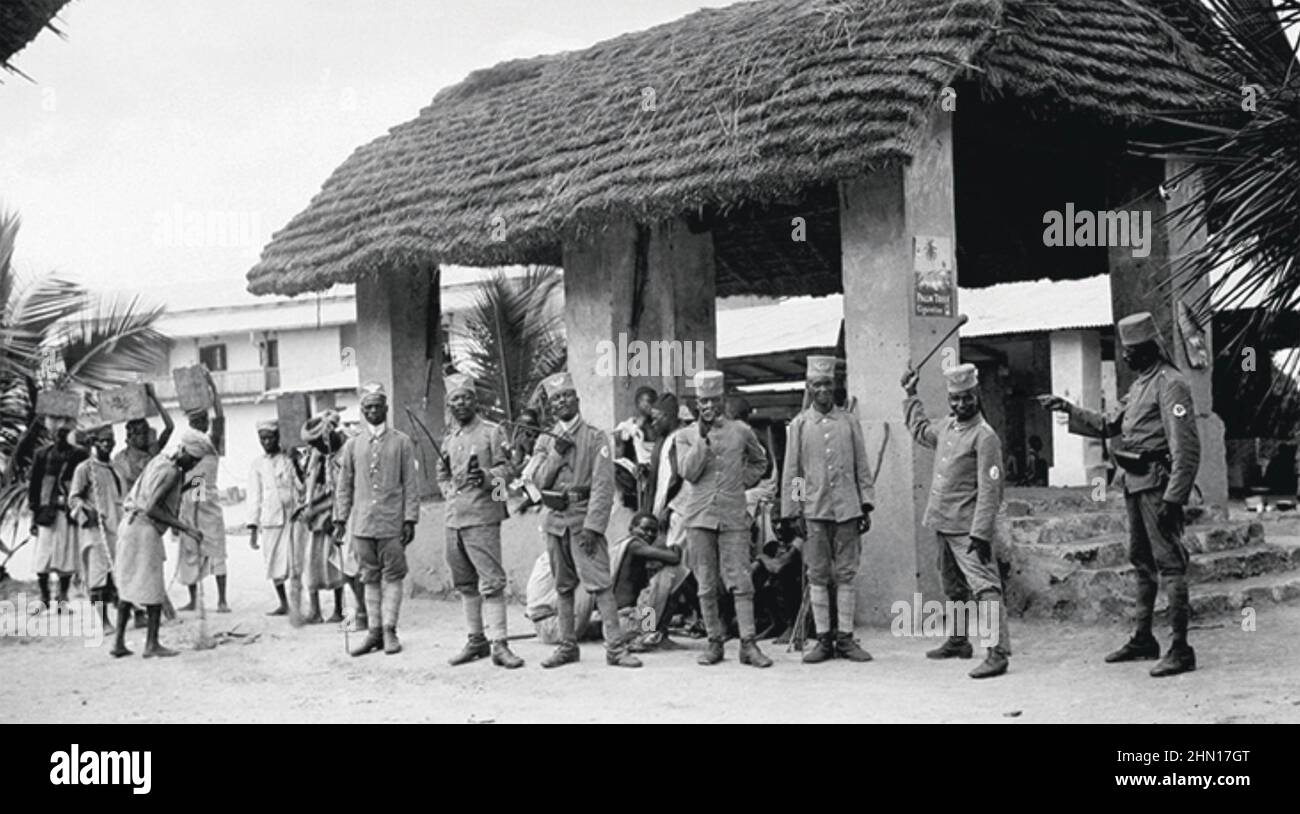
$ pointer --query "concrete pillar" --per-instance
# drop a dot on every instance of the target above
(398, 313)
(1076, 375)
(639, 309)
(1144, 284)
(880, 214)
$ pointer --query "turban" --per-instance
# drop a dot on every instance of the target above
(195, 443)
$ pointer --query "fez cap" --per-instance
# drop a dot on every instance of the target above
(1135, 329)
(709, 384)
(558, 383)
(821, 367)
(961, 378)
(373, 393)
(457, 382)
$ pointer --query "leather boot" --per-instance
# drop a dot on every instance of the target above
(846, 647)
(392, 644)
(712, 654)
(502, 657)
(751, 655)
(619, 657)
(374, 641)
(824, 650)
(476, 647)
(956, 647)
(566, 653)
(1141, 647)
(1181, 658)
(995, 664)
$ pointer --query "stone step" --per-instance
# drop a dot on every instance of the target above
(1085, 527)
(1230, 596)
(1051, 581)
(1025, 501)
(1112, 549)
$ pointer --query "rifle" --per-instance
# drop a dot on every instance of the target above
(415, 419)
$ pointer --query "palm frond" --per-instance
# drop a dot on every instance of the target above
(1247, 163)
(113, 343)
(512, 338)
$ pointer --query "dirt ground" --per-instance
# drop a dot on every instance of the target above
(284, 674)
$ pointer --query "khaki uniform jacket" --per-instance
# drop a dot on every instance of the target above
(588, 465)
(827, 453)
(720, 469)
(379, 484)
(1156, 416)
(967, 489)
(469, 506)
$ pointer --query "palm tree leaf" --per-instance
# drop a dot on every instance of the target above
(113, 343)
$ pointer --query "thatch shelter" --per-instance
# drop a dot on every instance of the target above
(20, 22)
(869, 147)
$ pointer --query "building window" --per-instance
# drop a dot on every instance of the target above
(213, 357)
(271, 353)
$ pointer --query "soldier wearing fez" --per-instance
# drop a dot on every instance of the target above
(828, 485)
(472, 473)
(1159, 452)
(963, 507)
(576, 477)
(721, 459)
(378, 491)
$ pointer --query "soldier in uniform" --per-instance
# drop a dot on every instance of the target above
(721, 459)
(963, 508)
(472, 475)
(828, 485)
(576, 477)
(1159, 452)
(379, 491)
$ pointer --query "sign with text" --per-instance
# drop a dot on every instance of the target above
(936, 280)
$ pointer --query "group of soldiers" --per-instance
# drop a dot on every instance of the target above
(345, 515)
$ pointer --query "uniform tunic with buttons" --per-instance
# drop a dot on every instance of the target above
(378, 487)
(827, 452)
(967, 488)
(468, 506)
(588, 465)
(1156, 416)
(720, 468)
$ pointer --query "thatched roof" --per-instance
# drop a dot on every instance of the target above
(752, 103)
(21, 21)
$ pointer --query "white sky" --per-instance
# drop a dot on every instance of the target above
(152, 113)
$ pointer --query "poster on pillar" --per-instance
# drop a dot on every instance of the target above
(936, 281)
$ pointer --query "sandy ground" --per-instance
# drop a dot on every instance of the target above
(284, 674)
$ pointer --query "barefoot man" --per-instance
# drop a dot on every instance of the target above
(201, 508)
(95, 499)
(272, 498)
(151, 508)
(321, 433)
